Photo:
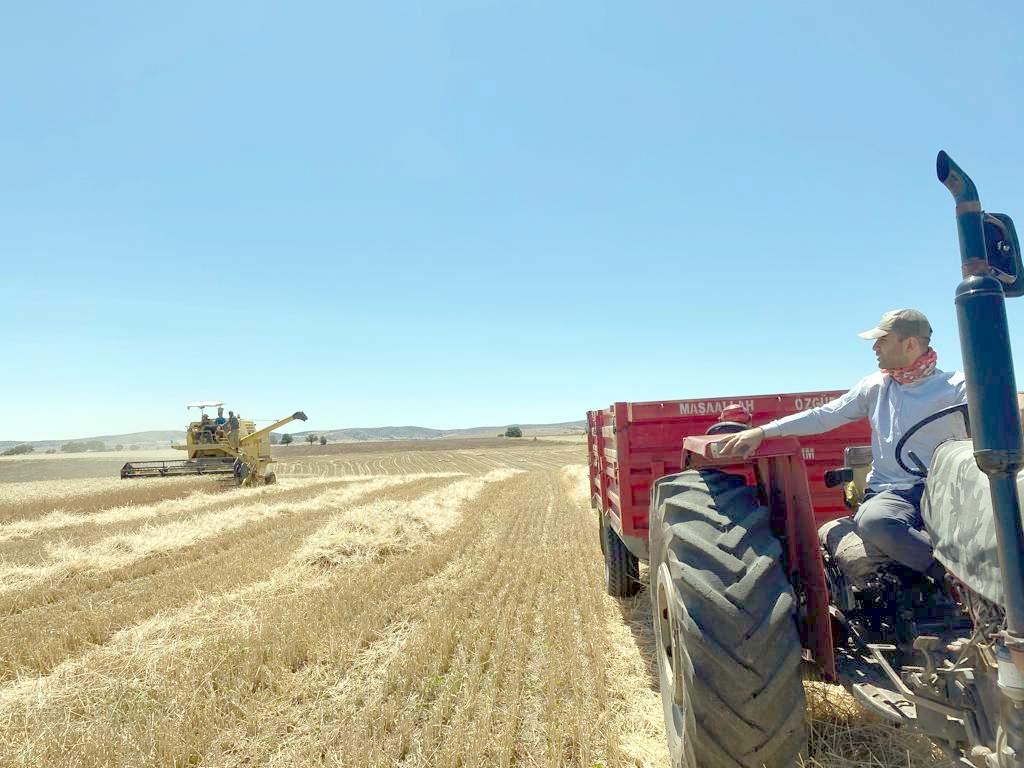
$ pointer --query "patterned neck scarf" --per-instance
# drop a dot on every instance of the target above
(921, 368)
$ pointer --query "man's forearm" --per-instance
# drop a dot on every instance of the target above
(812, 422)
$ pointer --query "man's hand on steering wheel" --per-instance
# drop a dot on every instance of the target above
(742, 443)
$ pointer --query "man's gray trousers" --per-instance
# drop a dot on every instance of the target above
(891, 520)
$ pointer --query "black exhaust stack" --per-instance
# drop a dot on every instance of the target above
(991, 264)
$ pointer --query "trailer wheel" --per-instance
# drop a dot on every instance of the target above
(727, 648)
(621, 567)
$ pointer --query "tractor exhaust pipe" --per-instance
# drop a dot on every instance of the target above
(968, 214)
(992, 404)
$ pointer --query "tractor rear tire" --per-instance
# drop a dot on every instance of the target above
(727, 648)
(621, 567)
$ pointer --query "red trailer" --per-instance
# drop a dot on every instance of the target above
(631, 444)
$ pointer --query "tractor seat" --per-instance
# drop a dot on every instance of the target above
(857, 559)
(957, 512)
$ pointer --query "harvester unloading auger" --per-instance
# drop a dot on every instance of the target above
(214, 449)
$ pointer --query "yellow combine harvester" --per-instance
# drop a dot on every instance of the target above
(215, 449)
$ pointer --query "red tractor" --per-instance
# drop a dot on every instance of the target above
(756, 569)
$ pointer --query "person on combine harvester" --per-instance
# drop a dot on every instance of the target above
(907, 388)
(205, 429)
(233, 429)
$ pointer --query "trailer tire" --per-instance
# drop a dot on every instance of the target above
(727, 649)
(621, 567)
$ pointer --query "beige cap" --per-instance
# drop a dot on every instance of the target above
(903, 322)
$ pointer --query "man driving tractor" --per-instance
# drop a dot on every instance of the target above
(906, 388)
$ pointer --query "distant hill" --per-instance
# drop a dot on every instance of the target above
(356, 434)
(529, 430)
(162, 438)
(157, 438)
(374, 433)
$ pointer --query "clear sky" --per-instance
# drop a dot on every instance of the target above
(454, 214)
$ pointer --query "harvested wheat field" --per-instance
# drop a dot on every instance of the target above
(375, 608)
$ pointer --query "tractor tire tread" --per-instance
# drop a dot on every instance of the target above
(739, 632)
(622, 568)
(693, 503)
(736, 540)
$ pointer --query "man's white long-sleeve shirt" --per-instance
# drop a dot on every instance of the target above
(892, 409)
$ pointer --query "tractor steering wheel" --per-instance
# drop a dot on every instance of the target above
(726, 427)
(922, 470)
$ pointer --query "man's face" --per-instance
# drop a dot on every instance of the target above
(893, 352)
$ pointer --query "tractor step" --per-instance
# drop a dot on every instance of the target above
(865, 678)
(887, 704)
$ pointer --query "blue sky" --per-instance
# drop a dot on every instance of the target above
(455, 214)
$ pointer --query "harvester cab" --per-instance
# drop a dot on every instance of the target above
(747, 587)
(215, 448)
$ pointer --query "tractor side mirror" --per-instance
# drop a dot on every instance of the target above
(1003, 250)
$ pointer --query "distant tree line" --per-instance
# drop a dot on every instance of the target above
(81, 446)
(75, 446)
(287, 439)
